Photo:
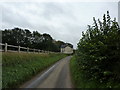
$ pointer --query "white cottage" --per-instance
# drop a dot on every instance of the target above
(66, 49)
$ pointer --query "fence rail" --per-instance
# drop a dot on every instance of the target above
(21, 49)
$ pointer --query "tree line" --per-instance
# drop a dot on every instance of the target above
(98, 53)
(26, 38)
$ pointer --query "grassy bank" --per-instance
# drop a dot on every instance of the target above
(80, 81)
(19, 67)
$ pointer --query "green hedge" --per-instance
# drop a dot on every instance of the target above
(98, 53)
(78, 78)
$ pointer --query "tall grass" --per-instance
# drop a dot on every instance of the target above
(19, 67)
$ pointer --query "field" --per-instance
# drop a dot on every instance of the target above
(20, 67)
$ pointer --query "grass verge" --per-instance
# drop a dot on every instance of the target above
(20, 67)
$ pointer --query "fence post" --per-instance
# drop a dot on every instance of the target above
(42, 51)
(18, 48)
(38, 51)
(33, 50)
(5, 47)
(27, 50)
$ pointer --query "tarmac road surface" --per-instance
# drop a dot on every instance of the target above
(57, 76)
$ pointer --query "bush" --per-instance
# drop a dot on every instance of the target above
(98, 53)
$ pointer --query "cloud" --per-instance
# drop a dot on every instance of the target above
(63, 21)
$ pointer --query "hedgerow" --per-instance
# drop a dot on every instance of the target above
(98, 53)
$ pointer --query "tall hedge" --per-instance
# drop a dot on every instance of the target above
(98, 53)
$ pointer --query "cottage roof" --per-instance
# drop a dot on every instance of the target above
(63, 46)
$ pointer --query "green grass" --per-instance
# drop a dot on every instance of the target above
(80, 81)
(0, 70)
(20, 67)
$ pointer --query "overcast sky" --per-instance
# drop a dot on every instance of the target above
(63, 21)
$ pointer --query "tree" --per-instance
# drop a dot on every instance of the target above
(33, 39)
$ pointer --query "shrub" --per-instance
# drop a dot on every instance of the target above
(98, 51)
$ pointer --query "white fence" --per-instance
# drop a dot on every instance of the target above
(21, 49)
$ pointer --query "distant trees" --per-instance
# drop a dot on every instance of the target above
(98, 53)
(33, 39)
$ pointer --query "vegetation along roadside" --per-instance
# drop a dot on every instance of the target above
(97, 60)
(20, 67)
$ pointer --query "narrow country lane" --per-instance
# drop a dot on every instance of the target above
(57, 76)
